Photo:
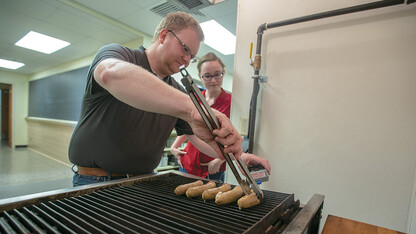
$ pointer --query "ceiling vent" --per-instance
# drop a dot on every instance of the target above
(189, 6)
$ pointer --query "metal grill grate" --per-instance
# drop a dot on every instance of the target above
(144, 207)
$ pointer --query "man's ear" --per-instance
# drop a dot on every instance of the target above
(162, 35)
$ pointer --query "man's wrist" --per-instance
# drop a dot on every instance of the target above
(187, 109)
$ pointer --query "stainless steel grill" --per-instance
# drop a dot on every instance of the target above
(142, 205)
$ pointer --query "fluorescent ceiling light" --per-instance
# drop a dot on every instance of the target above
(218, 37)
(42, 43)
(10, 64)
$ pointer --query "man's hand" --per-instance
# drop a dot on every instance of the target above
(213, 165)
(227, 135)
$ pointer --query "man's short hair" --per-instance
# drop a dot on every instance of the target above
(177, 21)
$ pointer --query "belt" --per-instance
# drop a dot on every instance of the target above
(92, 171)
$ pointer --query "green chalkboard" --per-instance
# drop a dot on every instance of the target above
(58, 96)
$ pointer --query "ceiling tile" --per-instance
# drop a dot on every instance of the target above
(114, 34)
(144, 20)
(228, 22)
(114, 9)
(58, 32)
(21, 24)
(147, 4)
(9, 33)
(76, 22)
(221, 9)
(88, 45)
(35, 9)
(4, 46)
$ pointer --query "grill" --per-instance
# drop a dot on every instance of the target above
(147, 204)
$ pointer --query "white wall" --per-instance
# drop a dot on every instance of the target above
(337, 114)
(19, 105)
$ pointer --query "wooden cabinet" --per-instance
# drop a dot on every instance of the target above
(340, 225)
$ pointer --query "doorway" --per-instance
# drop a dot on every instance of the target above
(5, 114)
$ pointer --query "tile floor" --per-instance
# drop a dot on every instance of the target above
(24, 171)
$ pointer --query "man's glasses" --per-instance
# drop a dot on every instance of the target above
(217, 76)
(185, 48)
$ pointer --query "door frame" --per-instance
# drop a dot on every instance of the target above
(10, 116)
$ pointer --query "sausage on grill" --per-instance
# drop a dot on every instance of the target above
(181, 189)
(211, 193)
(228, 197)
(248, 201)
(198, 190)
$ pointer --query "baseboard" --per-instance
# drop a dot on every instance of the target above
(20, 146)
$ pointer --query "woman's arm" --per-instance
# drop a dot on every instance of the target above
(174, 149)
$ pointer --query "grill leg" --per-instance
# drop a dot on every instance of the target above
(314, 227)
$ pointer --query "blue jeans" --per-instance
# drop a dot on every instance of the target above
(78, 180)
(219, 176)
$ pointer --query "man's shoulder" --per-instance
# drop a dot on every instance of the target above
(116, 48)
(112, 46)
(136, 56)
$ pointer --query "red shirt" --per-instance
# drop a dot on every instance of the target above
(191, 161)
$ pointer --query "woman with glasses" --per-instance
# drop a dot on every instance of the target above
(211, 72)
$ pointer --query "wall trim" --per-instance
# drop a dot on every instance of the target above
(53, 121)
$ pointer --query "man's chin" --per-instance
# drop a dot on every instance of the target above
(177, 69)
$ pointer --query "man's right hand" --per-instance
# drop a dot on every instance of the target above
(227, 135)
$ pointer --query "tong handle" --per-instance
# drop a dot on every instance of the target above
(212, 123)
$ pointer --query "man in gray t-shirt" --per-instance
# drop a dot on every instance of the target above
(131, 104)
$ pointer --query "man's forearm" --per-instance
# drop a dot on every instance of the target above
(136, 86)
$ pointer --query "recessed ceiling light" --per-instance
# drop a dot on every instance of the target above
(42, 43)
(218, 37)
(10, 64)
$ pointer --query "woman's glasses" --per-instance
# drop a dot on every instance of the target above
(217, 76)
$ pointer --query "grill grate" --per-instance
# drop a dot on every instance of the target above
(144, 207)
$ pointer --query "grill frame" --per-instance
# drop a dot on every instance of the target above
(271, 221)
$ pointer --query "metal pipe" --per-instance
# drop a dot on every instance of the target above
(265, 26)
(343, 11)
(256, 88)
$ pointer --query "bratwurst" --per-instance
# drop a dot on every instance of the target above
(248, 201)
(211, 193)
(181, 189)
(228, 197)
(198, 190)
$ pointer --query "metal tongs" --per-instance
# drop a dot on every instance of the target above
(212, 123)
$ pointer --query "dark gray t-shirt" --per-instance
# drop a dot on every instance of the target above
(115, 136)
